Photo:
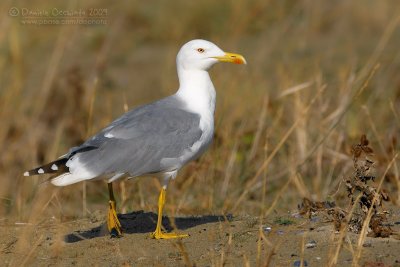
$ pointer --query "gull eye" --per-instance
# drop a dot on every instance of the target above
(200, 50)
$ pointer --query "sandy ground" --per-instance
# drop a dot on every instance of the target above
(214, 240)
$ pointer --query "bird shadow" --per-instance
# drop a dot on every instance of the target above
(145, 222)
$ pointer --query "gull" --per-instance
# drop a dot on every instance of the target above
(156, 139)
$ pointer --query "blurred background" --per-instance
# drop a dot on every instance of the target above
(319, 75)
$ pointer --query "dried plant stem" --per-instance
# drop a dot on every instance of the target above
(276, 149)
(278, 196)
(367, 220)
(229, 170)
(342, 234)
(383, 41)
(375, 131)
(262, 211)
(34, 247)
(302, 249)
(318, 143)
(182, 249)
(260, 129)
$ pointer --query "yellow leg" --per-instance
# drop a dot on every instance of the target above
(158, 234)
(113, 224)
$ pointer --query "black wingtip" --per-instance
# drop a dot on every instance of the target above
(57, 166)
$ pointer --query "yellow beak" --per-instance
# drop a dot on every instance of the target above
(232, 58)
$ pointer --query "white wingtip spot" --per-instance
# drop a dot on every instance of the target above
(109, 135)
(54, 167)
(26, 173)
(40, 171)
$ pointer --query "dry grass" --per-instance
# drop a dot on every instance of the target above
(284, 124)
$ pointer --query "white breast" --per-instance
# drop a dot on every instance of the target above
(198, 93)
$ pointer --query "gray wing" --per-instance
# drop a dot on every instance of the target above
(137, 142)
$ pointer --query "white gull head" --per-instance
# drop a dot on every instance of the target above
(202, 55)
(193, 61)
